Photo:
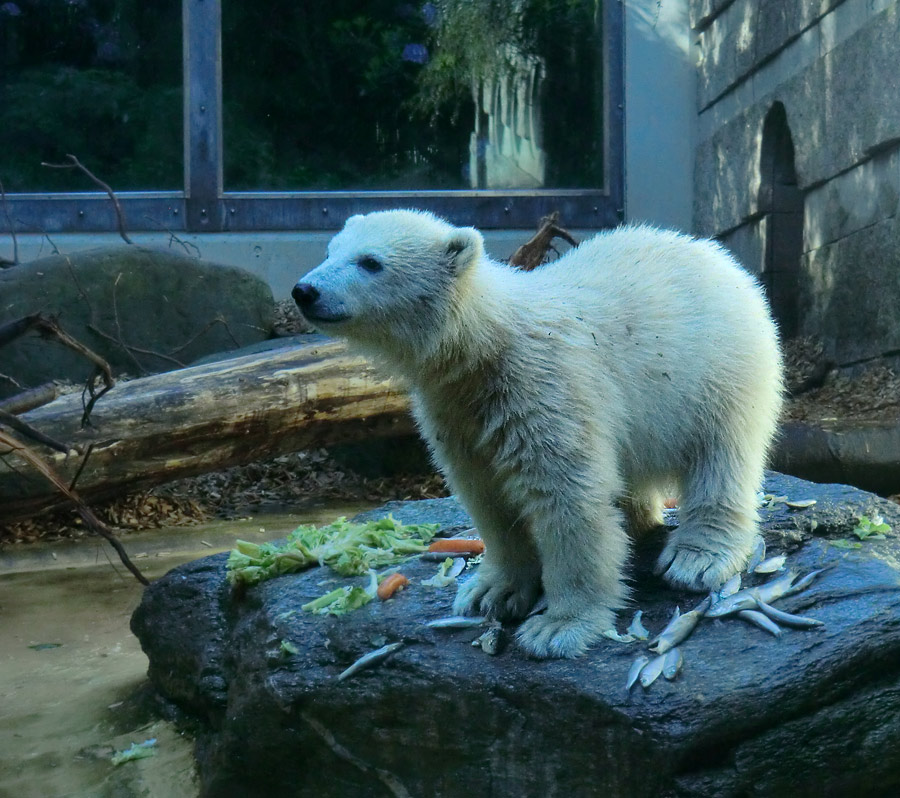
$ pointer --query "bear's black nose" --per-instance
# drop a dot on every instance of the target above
(304, 295)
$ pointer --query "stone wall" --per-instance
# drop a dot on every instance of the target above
(798, 160)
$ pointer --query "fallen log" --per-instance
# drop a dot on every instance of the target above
(204, 418)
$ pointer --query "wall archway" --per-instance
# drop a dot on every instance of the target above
(781, 202)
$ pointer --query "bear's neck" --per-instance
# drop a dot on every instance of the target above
(474, 332)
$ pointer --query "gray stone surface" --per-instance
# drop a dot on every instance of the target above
(727, 169)
(866, 195)
(812, 713)
(703, 12)
(862, 102)
(744, 38)
(842, 108)
(850, 293)
(727, 176)
(149, 299)
(748, 244)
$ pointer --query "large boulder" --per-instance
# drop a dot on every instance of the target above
(143, 310)
(814, 712)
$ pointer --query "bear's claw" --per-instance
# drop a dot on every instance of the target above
(698, 569)
(495, 597)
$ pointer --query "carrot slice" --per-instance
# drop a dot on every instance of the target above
(391, 585)
(450, 545)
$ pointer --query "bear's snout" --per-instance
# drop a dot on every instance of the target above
(305, 295)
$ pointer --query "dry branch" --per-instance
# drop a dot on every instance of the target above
(47, 327)
(30, 398)
(534, 252)
(95, 524)
(76, 164)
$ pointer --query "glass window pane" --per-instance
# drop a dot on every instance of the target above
(381, 94)
(100, 79)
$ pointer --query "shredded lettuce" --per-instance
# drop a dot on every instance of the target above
(339, 601)
(440, 579)
(347, 548)
(135, 751)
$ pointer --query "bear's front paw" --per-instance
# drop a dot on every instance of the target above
(696, 568)
(552, 635)
(497, 594)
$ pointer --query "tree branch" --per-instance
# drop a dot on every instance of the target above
(87, 515)
(76, 164)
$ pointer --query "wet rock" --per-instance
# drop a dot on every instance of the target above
(113, 298)
(811, 713)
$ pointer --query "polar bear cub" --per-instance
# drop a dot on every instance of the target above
(561, 403)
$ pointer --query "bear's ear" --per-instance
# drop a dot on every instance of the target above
(353, 219)
(465, 246)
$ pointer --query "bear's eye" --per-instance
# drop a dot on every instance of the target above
(370, 264)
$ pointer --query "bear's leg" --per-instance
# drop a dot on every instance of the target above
(583, 555)
(508, 580)
(717, 521)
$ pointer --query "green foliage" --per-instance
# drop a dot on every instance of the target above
(871, 528)
(135, 751)
(100, 79)
(866, 529)
(131, 138)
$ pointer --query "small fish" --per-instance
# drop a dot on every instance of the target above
(762, 621)
(459, 565)
(679, 628)
(672, 663)
(786, 618)
(636, 629)
(730, 587)
(773, 500)
(757, 555)
(746, 599)
(370, 659)
(651, 671)
(491, 641)
(457, 622)
(800, 504)
(771, 565)
(636, 667)
(612, 634)
(803, 583)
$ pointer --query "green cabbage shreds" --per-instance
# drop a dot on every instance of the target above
(339, 602)
(349, 549)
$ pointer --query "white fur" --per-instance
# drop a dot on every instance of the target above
(639, 360)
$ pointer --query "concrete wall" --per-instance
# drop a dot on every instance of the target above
(660, 113)
(834, 65)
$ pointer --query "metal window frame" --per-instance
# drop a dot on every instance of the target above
(205, 205)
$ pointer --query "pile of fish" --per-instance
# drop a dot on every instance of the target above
(752, 604)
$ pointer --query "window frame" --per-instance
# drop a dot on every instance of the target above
(205, 206)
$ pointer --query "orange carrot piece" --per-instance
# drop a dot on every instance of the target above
(391, 585)
(670, 504)
(450, 545)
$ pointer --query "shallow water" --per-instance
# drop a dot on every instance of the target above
(70, 667)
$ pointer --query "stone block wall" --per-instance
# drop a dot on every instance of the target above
(798, 160)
